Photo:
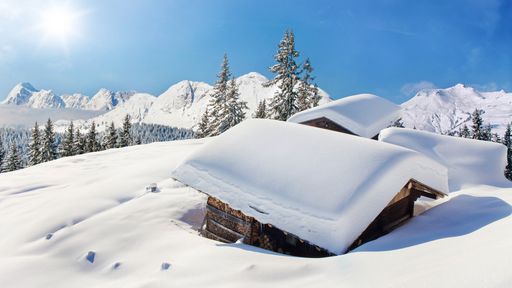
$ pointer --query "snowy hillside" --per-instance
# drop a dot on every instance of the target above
(445, 110)
(86, 221)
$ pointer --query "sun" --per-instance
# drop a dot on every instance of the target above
(59, 23)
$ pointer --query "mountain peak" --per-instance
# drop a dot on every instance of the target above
(253, 76)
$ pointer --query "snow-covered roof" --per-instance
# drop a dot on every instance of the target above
(468, 161)
(363, 114)
(323, 186)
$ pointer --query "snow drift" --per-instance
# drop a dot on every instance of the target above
(362, 114)
(325, 187)
(468, 161)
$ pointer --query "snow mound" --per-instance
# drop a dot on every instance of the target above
(362, 114)
(323, 186)
(469, 162)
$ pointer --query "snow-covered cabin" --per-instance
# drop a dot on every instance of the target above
(304, 191)
(468, 161)
(363, 115)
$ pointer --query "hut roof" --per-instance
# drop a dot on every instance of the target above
(363, 114)
(323, 186)
(468, 161)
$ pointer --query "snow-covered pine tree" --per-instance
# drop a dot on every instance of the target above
(13, 162)
(284, 102)
(234, 112)
(217, 105)
(487, 133)
(307, 92)
(111, 137)
(478, 125)
(261, 110)
(67, 145)
(2, 154)
(125, 138)
(92, 144)
(79, 145)
(507, 141)
(464, 131)
(48, 146)
(203, 129)
(34, 148)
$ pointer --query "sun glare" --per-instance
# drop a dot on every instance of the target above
(59, 24)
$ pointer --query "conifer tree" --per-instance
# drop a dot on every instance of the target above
(464, 132)
(111, 137)
(80, 143)
(34, 149)
(92, 144)
(203, 129)
(307, 92)
(284, 102)
(2, 154)
(261, 110)
(13, 162)
(478, 123)
(507, 141)
(234, 111)
(67, 147)
(487, 133)
(48, 146)
(125, 138)
(217, 105)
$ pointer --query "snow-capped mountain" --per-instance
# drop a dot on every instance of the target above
(183, 103)
(137, 106)
(445, 110)
(24, 94)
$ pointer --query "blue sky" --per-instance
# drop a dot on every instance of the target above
(387, 47)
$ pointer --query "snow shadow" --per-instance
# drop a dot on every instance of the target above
(461, 215)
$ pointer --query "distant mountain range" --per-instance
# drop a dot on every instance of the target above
(435, 110)
(445, 110)
(181, 105)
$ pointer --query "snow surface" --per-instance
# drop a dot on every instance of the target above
(446, 110)
(98, 202)
(362, 114)
(469, 161)
(323, 186)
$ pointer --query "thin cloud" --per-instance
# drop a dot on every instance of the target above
(411, 89)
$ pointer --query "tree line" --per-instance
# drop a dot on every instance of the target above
(296, 92)
(43, 145)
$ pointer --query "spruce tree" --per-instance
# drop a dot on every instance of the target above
(125, 138)
(92, 144)
(111, 137)
(2, 154)
(48, 146)
(307, 92)
(80, 143)
(34, 149)
(234, 111)
(67, 146)
(464, 132)
(507, 141)
(261, 110)
(217, 105)
(13, 162)
(284, 103)
(487, 133)
(478, 123)
(203, 129)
